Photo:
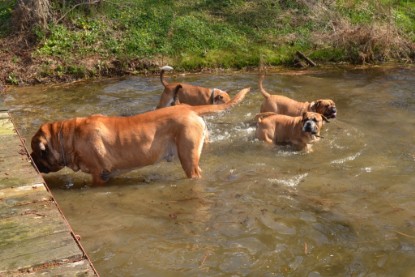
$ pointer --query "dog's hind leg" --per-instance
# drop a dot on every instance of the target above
(189, 148)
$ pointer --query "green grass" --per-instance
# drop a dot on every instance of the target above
(6, 8)
(195, 34)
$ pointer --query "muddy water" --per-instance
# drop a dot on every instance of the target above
(346, 209)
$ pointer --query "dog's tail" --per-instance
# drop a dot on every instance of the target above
(261, 88)
(260, 116)
(210, 109)
(164, 68)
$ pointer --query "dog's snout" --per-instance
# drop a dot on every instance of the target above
(39, 165)
(310, 127)
(331, 112)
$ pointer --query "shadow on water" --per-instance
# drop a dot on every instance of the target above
(346, 209)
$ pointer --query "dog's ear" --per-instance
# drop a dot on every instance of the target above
(42, 146)
(317, 105)
(40, 143)
(175, 98)
(176, 89)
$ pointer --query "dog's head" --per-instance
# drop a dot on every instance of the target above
(44, 155)
(313, 122)
(220, 97)
(326, 107)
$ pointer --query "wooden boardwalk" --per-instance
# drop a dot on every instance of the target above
(35, 237)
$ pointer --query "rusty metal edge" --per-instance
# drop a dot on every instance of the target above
(22, 140)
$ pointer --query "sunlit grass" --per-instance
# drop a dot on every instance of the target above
(224, 34)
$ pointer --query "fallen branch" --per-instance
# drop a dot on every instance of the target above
(304, 57)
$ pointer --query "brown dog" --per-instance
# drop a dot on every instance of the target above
(283, 105)
(181, 93)
(106, 146)
(299, 131)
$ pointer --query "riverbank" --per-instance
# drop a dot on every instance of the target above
(106, 39)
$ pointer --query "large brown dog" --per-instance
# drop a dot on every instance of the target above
(283, 105)
(299, 131)
(106, 146)
(181, 93)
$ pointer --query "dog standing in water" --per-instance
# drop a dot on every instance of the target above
(181, 93)
(299, 131)
(107, 146)
(284, 105)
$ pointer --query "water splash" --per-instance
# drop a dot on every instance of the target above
(347, 159)
(290, 182)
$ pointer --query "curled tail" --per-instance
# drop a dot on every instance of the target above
(164, 68)
(261, 116)
(261, 88)
(209, 109)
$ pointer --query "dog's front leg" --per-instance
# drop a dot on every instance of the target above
(308, 148)
(99, 178)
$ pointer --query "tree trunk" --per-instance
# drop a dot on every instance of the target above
(30, 14)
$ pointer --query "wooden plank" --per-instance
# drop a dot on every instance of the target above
(11, 146)
(6, 126)
(16, 181)
(19, 197)
(35, 207)
(56, 248)
(79, 268)
(26, 227)
(35, 238)
(16, 167)
(9, 168)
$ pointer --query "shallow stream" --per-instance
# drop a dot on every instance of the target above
(346, 209)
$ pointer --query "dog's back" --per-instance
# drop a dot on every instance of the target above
(280, 104)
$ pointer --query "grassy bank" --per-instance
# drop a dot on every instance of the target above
(123, 37)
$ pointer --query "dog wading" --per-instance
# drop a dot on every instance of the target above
(107, 146)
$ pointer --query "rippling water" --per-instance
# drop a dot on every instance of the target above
(346, 209)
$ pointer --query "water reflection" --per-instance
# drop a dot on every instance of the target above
(345, 209)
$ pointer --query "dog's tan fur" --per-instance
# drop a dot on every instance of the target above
(283, 129)
(106, 146)
(181, 93)
(283, 105)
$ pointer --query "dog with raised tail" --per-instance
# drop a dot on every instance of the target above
(105, 146)
(284, 105)
(298, 131)
(182, 93)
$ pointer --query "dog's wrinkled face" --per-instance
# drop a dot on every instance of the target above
(313, 122)
(326, 107)
(44, 156)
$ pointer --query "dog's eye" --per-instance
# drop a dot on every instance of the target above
(44, 153)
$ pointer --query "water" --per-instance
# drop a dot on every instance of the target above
(346, 209)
